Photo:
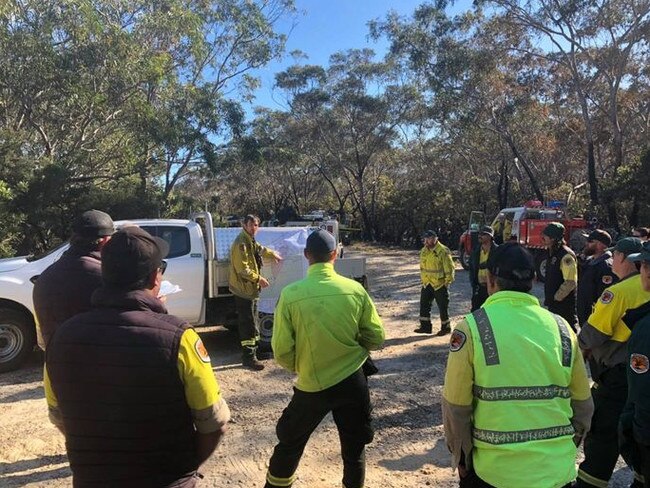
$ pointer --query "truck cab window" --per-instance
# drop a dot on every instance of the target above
(178, 238)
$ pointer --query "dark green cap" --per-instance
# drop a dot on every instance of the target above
(554, 230)
(627, 246)
(644, 255)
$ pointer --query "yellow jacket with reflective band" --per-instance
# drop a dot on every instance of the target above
(323, 327)
(522, 403)
(244, 275)
(436, 266)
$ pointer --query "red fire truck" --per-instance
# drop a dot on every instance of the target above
(525, 225)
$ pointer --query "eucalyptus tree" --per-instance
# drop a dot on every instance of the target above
(98, 93)
(473, 81)
(538, 75)
(275, 152)
(597, 48)
(351, 112)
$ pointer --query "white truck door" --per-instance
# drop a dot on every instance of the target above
(185, 268)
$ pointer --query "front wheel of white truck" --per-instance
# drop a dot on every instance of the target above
(17, 338)
(266, 329)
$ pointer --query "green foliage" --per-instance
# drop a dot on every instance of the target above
(113, 104)
(134, 108)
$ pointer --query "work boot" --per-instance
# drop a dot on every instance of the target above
(249, 360)
(264, 351)
(425, 328)
(445, 329)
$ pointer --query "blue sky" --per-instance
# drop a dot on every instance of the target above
(324, 27)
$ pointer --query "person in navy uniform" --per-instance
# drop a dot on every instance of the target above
(634, 426)
(595, 273)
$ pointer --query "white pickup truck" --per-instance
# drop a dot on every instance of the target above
(197, 263)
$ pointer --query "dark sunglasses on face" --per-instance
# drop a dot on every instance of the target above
(163, 267)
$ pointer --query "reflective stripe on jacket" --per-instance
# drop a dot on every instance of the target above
(522, 398)
(436, 266)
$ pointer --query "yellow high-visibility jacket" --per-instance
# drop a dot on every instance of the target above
(324, 326)
(436, 266)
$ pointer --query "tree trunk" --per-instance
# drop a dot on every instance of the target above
(612, 214)
(503, 187)
(634, 213)
(533, 180)
(591, 173)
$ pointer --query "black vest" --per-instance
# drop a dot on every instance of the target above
(595, 275)
(554, 280)
(114, 372)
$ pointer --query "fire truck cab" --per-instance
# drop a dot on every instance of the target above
(525, 225)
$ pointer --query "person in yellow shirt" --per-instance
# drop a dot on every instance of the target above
(507, 230)
(634, 425)
(478, 266)
(603, 339)
(437, 273)
(245, 282)
(516, 398)
(130, 385)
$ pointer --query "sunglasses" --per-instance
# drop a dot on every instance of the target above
(163, 267)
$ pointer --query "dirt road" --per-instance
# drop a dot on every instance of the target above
(408, 450)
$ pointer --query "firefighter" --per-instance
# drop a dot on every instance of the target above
(245, 282)
(603, 339)
(516, 398)
(507, 230)
(595, 273)
(497, 227)
(437, 274)
(130, 386)
(634, 427)
(324, 327)
(561, 274)
(64, 289)
(478, 266)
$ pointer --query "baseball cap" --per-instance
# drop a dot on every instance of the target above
(131, 255)
(511, 261)
(600, 236)
(627, 246)
(644, 255)
(554, 230)
(320, 242)
(429, 233)
(486, 229)
(93, 223)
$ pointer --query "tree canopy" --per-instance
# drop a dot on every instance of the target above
(137, 108)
